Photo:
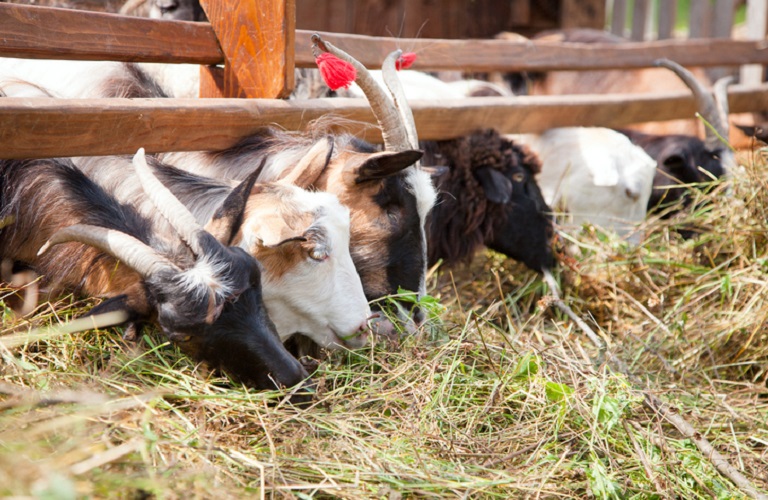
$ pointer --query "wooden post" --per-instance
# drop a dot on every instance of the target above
(619, 17)
(757, 12)
(700, 19)
(667, 17)
(257, 38)
(639, 20)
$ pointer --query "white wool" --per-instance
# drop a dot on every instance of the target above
(596, 174)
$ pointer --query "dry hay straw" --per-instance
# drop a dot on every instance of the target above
(501, 398)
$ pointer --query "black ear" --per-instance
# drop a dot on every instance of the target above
(229, 216)
(381, 165)
(674, 164)
(435, 171)
(497, 187)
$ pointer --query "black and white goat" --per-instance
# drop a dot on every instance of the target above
(300, 238)
(204, 294)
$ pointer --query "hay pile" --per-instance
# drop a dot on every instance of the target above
(505, 397)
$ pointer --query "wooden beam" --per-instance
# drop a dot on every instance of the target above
(699, 19)
(41, 32)
(49, 33)
(501, 55)
(619, 17)
(257, 38)
(44, 127)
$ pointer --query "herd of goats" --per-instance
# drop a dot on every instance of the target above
(236, 254)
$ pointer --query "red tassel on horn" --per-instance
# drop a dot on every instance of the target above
(405, 61)
(335, 72)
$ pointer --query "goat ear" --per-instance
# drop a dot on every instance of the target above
(228, 218)
(497, 187)
(378, 166)
(306, 172)
(435, 171)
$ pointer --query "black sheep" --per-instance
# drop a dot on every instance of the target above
(487, 197)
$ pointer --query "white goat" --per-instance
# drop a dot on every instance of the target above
(595, 174)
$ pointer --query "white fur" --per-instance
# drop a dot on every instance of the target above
(596, 174)
(322, 299)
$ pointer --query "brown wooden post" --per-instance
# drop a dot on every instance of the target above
(257, 38)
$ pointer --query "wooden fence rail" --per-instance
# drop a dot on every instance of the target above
(48, 127)
(40, 32)
(72, 127)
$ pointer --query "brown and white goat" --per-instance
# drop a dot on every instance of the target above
(300, 238)
(203, 294)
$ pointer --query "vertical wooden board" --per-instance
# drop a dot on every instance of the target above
(722, 20)
(257, 38)
(700, 18)
(757, 12)
(519, 13)
(619, 17)
(582, 14)
(667, 18)
(639, 20)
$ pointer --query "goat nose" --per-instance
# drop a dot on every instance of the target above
(632, 195)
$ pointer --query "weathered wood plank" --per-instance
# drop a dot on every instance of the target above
(257, 37)
(700, 19)
(619, 17)
(501, 55)
(667, 17)
(722, 19)
(757, 13)
(39, 32)
(640, 20)
(47, 127)
(49, 33)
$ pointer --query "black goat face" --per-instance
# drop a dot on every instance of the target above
(215, 313)
(524, 232)
(681, 160)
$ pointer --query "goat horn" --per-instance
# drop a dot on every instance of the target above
(132, 252)
(708, 108)
(168, 205)
(392, 128)
(392, 81)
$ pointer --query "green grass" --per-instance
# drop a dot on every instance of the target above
(502, 398)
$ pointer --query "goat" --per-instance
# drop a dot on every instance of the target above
(388, 197)
(300, 238)
(596, 174)
(684, 159)
(174, 10)
(488, 197)
(204, 295)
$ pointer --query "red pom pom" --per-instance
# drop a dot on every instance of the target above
(335, 72)
(405, 61)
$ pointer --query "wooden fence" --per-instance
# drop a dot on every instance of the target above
(258, 46)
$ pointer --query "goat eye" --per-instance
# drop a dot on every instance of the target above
(318, 254)
(518, 177)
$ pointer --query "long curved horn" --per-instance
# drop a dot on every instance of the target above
(704, 101)
(395, 86)
(132, 252)
(720, 91)
(392, 127)
(177, 215)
